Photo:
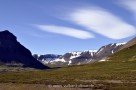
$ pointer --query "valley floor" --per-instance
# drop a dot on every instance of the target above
(11, 86)
(103, 75)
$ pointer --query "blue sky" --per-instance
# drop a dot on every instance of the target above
(60, 26)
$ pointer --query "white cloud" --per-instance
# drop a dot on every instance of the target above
(76, 33)
(102, 22)
(129, 5)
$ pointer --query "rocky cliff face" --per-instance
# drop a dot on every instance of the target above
(12, 52)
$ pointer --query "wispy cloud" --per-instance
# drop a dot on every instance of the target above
(129, 5)
(76, 33)
(102, 22)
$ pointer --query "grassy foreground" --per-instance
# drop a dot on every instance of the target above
(109, 74)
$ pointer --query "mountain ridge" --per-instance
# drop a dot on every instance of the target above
(83, 57)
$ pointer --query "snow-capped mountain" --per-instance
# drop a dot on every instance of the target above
(72, 58)
(107, 50)
(80, 57)
(46, 58)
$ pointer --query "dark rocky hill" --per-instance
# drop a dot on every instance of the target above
(13, 53)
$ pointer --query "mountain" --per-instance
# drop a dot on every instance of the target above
(12, 53)
(100, 55)
(46, 58)
(108, 50)
(80, 57)
(126, 53)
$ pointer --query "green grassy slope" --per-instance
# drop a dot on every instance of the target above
(127, 54)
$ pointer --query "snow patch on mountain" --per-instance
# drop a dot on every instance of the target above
(58, 60)
(121, 43)
(69, 62)
(75, 54)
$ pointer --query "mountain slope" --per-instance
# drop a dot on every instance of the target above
(13, 53)
(127, 53)
(129, 43)
(108, 50)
